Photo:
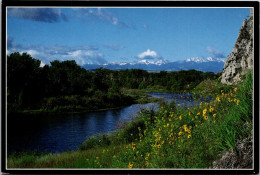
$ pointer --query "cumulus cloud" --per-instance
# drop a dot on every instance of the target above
(50, 15)
(85, 57)
(148, 55)
(103, 15)
(214, 53)
(81, 54)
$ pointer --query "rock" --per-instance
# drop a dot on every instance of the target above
(242, 159)
(241, 57)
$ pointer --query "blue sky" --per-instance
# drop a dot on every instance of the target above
(105, 35)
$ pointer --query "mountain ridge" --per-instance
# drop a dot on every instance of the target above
(208, 64)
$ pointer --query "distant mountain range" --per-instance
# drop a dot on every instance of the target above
(202, 64)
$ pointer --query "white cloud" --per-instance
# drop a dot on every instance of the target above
(33, 53)
(214, 53)
(102, 15)
(148, 55)
(85, 57)
(42, 64)
(81, 54)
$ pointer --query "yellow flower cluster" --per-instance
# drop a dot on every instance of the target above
(174, 129)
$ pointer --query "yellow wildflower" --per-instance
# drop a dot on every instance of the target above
(211, 109)
(206, 117)
(189, 136)
(204, 111)
(159, 146)
(180, 117)
(198, 113)
(235, 89)
(180, 133)
(133, 146)
(214, 115)
(130, 165)
(189, 114)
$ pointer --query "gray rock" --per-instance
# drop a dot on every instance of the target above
(241, 57)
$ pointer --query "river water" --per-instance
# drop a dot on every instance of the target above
(65, 132)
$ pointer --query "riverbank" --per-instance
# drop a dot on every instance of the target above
(171, 137)
(77, 104)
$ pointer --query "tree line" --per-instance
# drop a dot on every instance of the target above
(66, 85)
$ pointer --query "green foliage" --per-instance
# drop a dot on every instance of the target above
(168, 138)
(96, 141)
(23, 74)
(55, 87)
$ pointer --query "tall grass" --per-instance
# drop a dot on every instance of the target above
(168, 138)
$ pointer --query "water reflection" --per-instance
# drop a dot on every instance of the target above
(63, 132)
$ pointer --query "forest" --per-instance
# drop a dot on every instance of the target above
(65, 86)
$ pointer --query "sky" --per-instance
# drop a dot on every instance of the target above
(114, 35)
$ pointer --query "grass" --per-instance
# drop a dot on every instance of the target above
(210, 88)
(156, 88)
(168, 138)
(140, 96)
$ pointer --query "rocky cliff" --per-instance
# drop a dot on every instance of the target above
(242, 55)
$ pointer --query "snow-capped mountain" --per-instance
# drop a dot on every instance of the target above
(202, 64)
(147, 62)
(204, 60)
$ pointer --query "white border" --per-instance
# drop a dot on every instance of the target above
(145, 169)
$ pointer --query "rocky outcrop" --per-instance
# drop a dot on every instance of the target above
(241, 57)
(242, 158)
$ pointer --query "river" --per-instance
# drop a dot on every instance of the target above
(65, 132)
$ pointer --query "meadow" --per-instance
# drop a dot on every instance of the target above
(171, 137)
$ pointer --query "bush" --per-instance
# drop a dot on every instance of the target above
(96, 141)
